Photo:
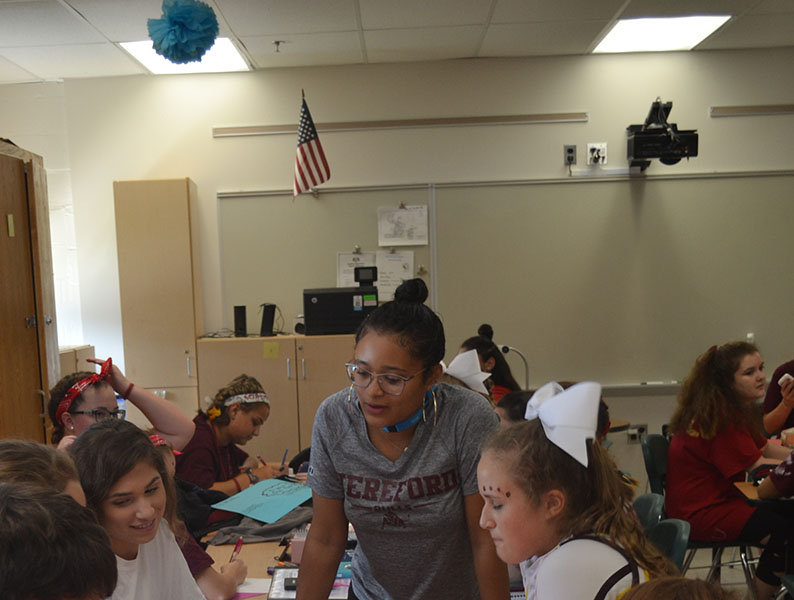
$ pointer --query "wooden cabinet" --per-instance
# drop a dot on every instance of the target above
(73, 359)
(297, 372)
(159, 281)
(29, 363)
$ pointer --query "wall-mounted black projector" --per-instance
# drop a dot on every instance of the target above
(657, 138)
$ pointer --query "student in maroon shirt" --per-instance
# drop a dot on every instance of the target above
(717, 441)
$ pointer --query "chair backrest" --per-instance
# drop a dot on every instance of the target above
(671, 536)
(654, 452)
(649, 509)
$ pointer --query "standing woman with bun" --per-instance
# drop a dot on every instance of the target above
(396, 455)
(493, 361)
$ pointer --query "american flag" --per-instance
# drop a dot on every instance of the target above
(311, 166)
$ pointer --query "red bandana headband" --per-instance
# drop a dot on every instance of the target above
(79, 387)
(158, 440)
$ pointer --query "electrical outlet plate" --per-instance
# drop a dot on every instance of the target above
(597, 153)
(636, 432)
(569, 154)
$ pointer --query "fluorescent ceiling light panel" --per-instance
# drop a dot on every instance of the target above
(222, 57)
(659, 34)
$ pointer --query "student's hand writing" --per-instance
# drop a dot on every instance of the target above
(237, 569)
(269, 471)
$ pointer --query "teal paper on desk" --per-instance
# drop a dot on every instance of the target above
(268, 500)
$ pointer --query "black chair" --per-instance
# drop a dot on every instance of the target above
(671, 538)
(649, 509)
(654, 453)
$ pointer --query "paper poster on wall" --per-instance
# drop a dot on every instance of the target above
(346, 262)
(403, 226)
(393, 268)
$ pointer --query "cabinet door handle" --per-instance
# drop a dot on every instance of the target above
(303, 368)
(188, 367)
(288, 371)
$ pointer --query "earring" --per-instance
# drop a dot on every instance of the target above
(435, 408)
(350, 394)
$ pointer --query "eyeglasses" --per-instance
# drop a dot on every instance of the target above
(389, 382)
(101, 414)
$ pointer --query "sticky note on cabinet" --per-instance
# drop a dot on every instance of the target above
(270, 349)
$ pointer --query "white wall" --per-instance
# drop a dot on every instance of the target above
(151, 127)
(33, 116)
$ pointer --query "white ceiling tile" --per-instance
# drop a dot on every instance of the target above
(42, 22)
(753, 31)
(537, 39)
(669, 8)
(391, 14)
(79, 60)
(529, 11)
(11, 73)
(120, 21)
(299, 50)
(433, 43)
(771, 7)
(265, 17)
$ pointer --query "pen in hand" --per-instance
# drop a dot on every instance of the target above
(237, 548)
(262, 460)
(284, 458)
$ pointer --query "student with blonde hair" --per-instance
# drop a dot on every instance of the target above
(555, 503)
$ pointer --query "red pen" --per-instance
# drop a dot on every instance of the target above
(262, 460)
(237, 548)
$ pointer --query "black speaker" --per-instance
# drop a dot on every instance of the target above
(240, 326)
(268, 313)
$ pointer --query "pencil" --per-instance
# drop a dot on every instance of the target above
(237, 548)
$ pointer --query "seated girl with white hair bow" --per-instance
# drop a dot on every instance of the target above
(555, 503)
(212, 459)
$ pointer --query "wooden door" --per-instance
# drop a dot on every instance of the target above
(21, 400)
(321, 372)
(271, 361)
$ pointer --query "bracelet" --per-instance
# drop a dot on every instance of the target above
(254, 479)
(237, 484)
(126, 393)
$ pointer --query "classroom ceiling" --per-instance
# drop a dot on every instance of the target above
(43, 40)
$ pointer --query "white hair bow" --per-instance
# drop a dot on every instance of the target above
(466, 367)
(569, 417)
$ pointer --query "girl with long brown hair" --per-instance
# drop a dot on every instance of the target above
(718, 440)
(555, 502)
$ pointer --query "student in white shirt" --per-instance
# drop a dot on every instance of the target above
(555, 503)
(127, 486)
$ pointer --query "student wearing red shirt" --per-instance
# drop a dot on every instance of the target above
(717, 440)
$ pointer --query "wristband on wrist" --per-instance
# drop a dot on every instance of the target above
(126, 393)
(237, 484)
(254, 479)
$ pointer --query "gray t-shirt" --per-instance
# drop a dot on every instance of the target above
(413, 541)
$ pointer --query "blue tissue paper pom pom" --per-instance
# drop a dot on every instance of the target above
(187, 30)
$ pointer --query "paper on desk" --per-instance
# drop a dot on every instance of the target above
(252, 586)
(268, 500)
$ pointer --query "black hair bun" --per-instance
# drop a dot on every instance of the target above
(485, 331)
(412, 291)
